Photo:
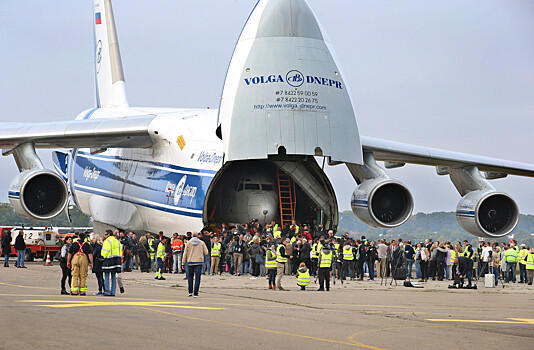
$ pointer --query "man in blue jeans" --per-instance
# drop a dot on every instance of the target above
(409, 256)
(193, 258)
(111, 254)
(20, 247)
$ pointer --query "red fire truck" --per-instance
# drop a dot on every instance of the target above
(40, 240)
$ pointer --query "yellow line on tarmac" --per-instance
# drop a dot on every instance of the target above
(19, 286)
(514, 321)
(262, 329)
(80, 303)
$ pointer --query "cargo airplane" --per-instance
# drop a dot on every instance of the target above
(284, 105)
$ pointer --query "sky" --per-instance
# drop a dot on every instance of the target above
(455, 75)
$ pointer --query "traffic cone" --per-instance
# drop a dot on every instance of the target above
(48, 263)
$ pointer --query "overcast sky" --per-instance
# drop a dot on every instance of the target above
(457, 75)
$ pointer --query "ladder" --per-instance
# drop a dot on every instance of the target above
(286, 196)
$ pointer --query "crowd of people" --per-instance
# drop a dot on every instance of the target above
(272, 251)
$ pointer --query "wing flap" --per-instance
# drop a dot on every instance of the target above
(385, 150)
(124, 132)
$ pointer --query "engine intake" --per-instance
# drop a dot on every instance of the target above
(38, 194)
(382, 203)
(489, 214)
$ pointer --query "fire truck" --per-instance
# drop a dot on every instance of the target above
(41, 240)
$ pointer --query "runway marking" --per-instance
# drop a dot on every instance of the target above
(19, 286)
(264, 330)
(86, 303)
(514, 321)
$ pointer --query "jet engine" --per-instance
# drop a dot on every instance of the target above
(38, 194)
(382, 202)
(489, 214)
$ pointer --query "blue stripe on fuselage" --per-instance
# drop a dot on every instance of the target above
(161, 186)
(149, 162)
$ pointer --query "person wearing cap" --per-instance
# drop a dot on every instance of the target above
(522, 260)
(325, 262)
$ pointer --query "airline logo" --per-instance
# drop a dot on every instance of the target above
(293, 78)
(98, 18)
(180, 190)
(89, 173)
(212, 158)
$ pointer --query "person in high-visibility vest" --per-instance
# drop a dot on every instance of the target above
(277, 231)
(348, 261)
(452, 266)
(281, 259)
(325, 262)
(303, 276)
(215, 255)
(111, 253)
(314, 257)
(530, 266)
(160, 255)
(151, 246)
(522, 260)
(270, 265)
(510, 258)
(80, 255)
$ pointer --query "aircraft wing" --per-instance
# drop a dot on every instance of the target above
(126, 132)
(391, 151)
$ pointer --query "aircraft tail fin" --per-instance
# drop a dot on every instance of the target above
(109, 77)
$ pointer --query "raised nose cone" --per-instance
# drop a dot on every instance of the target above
(284, 91)
(288, 18)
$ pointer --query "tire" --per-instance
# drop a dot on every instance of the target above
(29, 255)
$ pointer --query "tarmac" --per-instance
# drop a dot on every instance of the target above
(240, 313)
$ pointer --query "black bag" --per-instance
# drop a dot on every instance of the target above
(400, 273)
(58, 257)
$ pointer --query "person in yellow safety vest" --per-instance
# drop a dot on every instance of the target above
(80, 255)
(215, 255)
(325, 262)
(294, 227)
(468, 250)
(151, 247)
(270, 265)
(454, 255)
(160, 255)
(530, 266)
(111, 253)
(281, 259)
(522, 260)
(314, 258)
(303, 276)
(348, 262)
(510, 257)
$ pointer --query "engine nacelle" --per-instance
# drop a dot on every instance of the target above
(382, 202)
(489, 214)
(38, 194)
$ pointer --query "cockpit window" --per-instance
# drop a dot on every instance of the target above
(252, 186)
(267, 187)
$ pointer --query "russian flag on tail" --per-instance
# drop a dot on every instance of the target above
(98, 18)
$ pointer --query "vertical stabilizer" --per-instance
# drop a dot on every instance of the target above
(110, 86)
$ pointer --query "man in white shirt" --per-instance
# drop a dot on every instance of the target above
(486, 251)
